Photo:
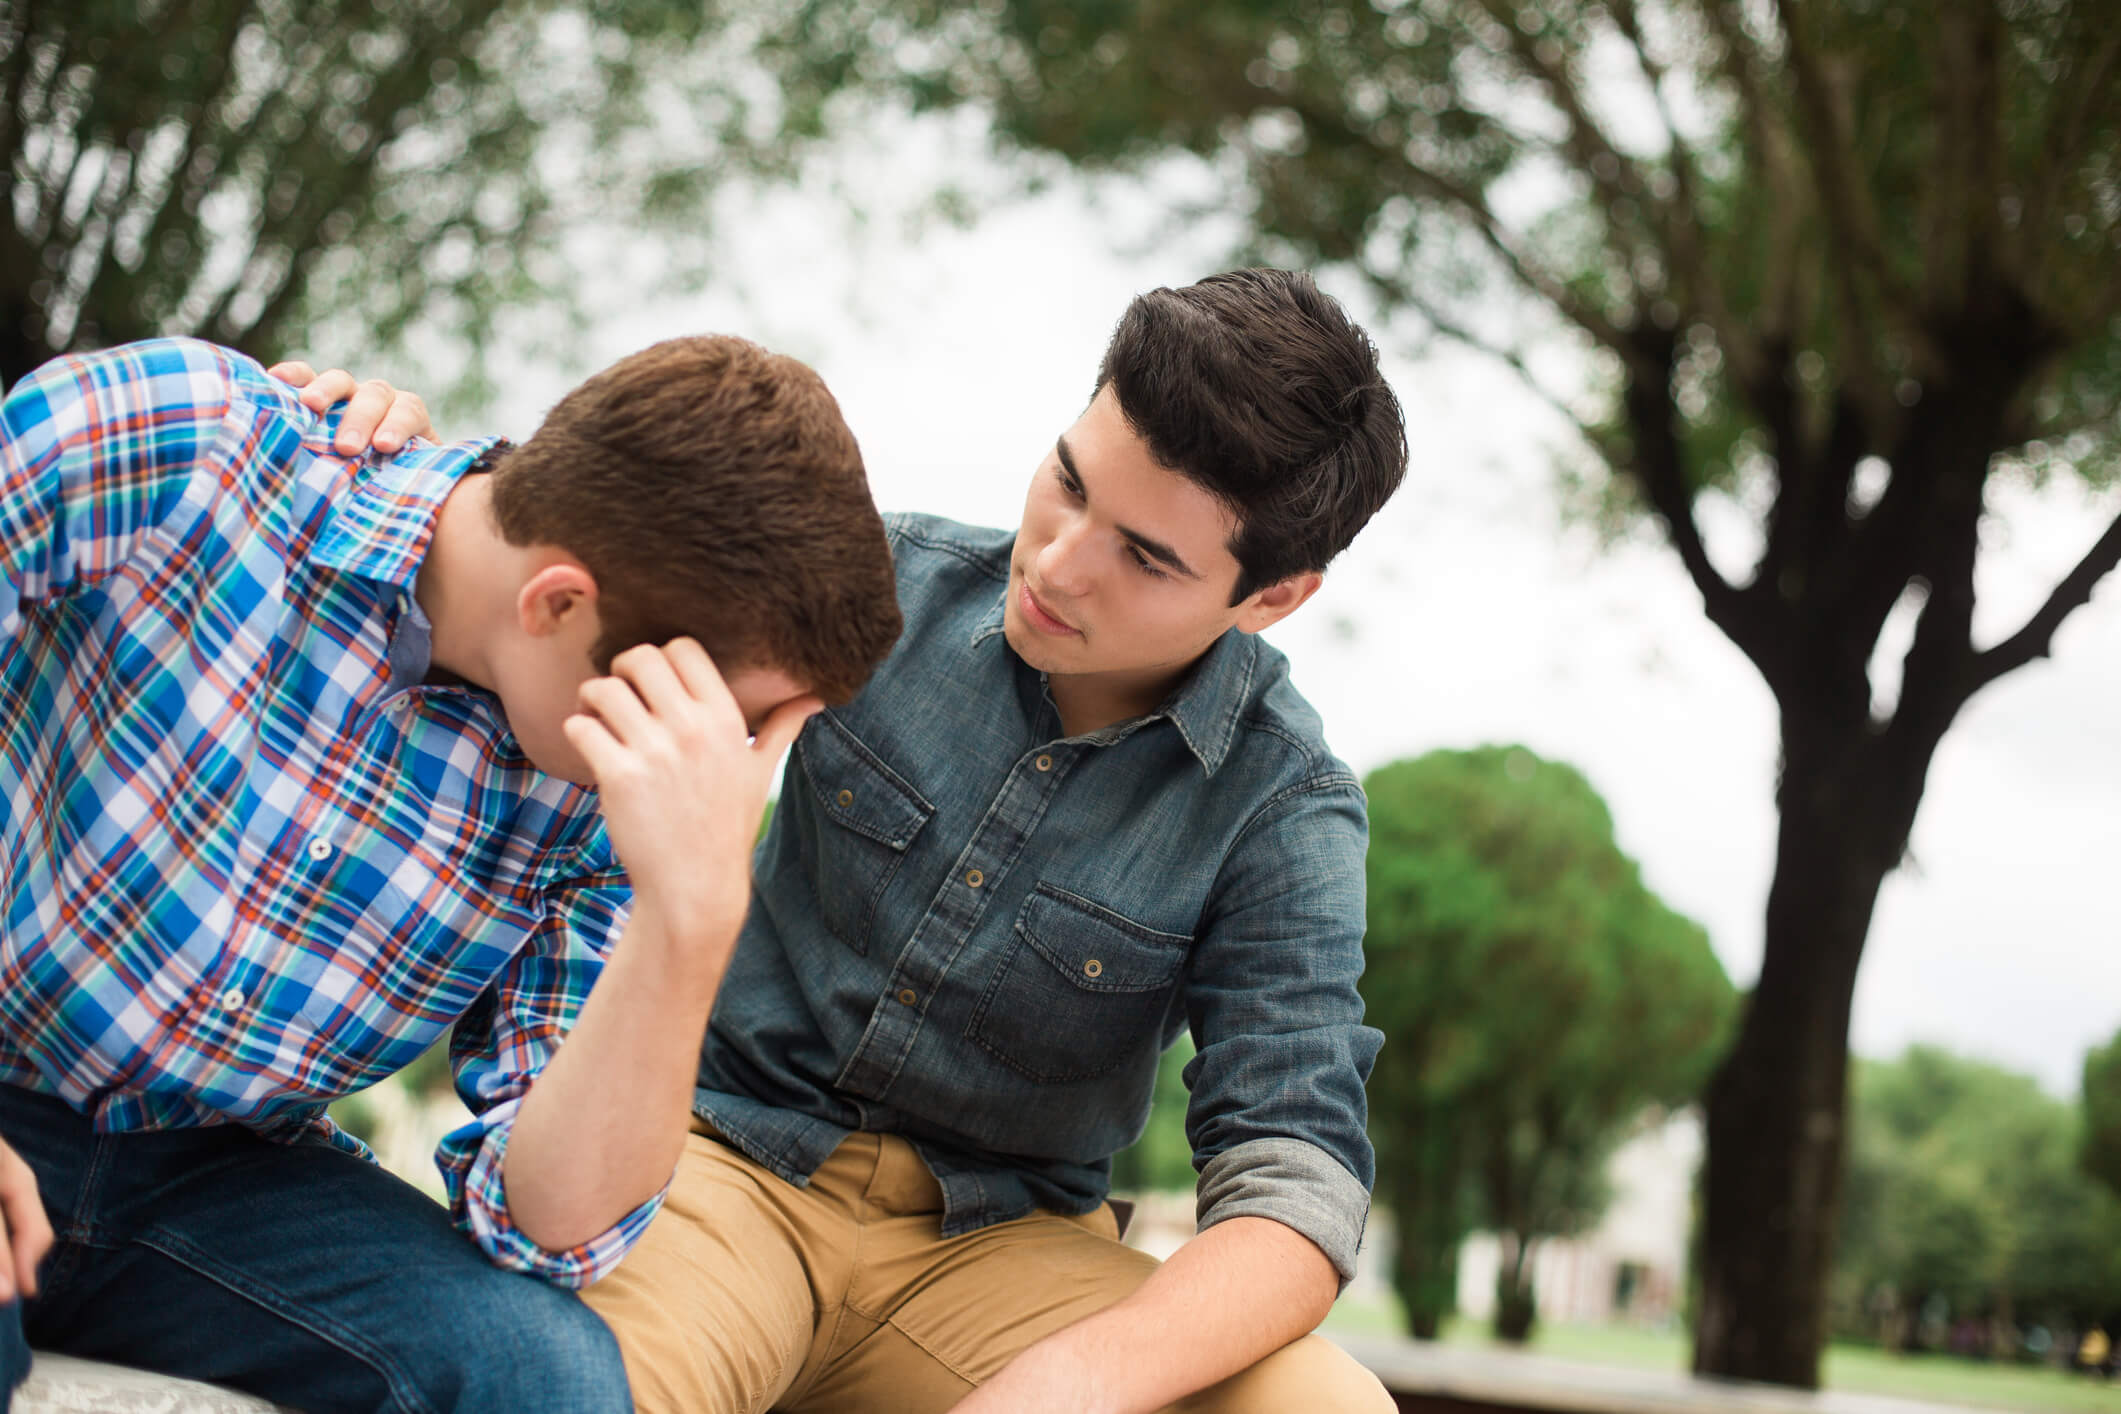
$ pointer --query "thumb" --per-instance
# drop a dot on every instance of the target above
(780, 730)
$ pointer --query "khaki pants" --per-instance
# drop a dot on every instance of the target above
(749, 1294)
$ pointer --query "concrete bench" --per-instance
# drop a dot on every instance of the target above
(60, 1384)
(1435, 1379)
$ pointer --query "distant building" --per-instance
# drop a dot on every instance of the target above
(1632, 1266)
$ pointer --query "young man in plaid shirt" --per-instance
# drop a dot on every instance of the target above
(296, 757)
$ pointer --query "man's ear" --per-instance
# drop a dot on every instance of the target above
(1277, 601)
(554, 597)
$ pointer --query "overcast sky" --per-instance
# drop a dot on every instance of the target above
(1467, 612)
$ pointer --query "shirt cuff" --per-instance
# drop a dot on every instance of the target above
(470, 1159)
(1298, 1185)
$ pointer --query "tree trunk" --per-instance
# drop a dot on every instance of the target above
(1425, 1259)
(1776, 1109)
(1516, 1306)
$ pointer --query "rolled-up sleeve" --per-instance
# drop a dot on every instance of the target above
(1277, 1117)
(500, 1047)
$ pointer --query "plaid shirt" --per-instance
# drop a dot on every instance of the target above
(249, 861)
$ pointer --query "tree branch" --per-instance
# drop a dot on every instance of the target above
(1771, 146)
(1587, 140)
(1849, 205)
(2095, 83)
(1660, 466)
(1395, 290)
(1683, 214)
(1473, 205)
(2035, 638)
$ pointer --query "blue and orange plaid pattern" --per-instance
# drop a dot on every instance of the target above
(249, 861)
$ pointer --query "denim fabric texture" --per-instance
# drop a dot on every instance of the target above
(293, 1271)
(976, 932)
(14, 1352)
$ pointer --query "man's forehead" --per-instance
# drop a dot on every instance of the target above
(1171, 517)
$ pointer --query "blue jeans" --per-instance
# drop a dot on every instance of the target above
(296, 1272)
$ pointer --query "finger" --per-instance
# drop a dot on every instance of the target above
(613, 702)
(781, 727)
(327, 390)
(595, 744)
(32, 1238)
(364, 413)
(294, 373)
(656, 681)
(699, 674)
(406, 420)
(24, 1227)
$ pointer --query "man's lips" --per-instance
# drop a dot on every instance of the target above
(1040, 617)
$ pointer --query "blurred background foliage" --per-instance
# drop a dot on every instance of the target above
(1538, 998)
(236, 168)
(1968, 1206)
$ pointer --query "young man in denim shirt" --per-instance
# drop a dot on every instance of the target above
(295, 750)
(1079, 810)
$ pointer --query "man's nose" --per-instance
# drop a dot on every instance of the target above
(1064, 564)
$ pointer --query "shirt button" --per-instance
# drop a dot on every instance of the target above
(233, 999)
(320, 849)
(908, 995)
(973, 878)
(846, 799)
(1045, 763)
(1093, 968)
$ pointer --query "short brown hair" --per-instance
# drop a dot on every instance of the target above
(713, 490)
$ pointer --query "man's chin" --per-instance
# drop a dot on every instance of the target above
(1027, 644)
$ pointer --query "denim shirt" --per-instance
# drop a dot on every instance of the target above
(979, 933)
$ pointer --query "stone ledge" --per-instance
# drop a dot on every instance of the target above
(61, 1384)
(1433, 1379)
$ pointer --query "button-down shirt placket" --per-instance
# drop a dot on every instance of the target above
(953, 914)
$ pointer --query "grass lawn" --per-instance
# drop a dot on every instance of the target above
(2019, 1388)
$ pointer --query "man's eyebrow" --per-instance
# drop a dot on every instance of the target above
(1155, 549)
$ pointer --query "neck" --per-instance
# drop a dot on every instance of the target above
(1090, 702)
(455, 586)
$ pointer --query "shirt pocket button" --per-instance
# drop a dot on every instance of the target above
(1093, 968)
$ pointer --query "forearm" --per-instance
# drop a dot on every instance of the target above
(601, 1129)
(1225, 1301)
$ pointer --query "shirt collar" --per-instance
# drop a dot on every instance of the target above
(1206, 706)
(382, 525)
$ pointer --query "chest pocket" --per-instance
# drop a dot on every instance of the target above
(859, 823)
(1082, 992)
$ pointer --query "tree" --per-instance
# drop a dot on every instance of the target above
(1964, 1196)
(1537, 998)
(228, 167)
(2101, 1155)
(1848, 264)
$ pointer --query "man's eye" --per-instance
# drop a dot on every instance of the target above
(1068, 483)
(1143, 563)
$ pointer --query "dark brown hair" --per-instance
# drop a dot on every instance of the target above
(713, 490)
(1261, 390)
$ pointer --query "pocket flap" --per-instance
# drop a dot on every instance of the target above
(1095, 948)
(856, 789)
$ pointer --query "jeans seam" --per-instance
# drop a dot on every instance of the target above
(178, 1250)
